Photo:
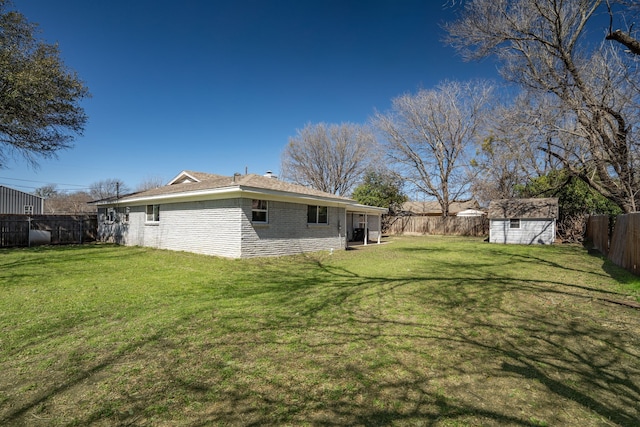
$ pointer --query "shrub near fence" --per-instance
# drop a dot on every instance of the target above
(453, 225)
(64, 229)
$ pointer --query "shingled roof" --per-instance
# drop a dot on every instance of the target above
(524, 208)
(191, 182)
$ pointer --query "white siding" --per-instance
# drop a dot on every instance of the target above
(531, 231)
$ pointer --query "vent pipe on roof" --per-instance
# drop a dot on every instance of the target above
(270, 174)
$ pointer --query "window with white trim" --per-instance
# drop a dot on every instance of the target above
(514, 223)
(317, 214)
(28, 209)
(259, 211)
(153, 213)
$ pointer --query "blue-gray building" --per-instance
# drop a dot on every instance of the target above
(20, 203)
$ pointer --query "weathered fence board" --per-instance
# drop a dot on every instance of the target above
(453, 225)
(64, 229)
(624, 242)
(598, 232)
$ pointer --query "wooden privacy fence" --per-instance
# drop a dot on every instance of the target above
(19, 230)
(598, 232)
(620, 245)
(623, 250)
(453, 225)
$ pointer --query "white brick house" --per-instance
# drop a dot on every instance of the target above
(236, 217)
(523, 221)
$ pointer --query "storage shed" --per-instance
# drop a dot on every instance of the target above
(523, 221)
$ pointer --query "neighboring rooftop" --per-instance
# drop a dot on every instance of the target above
(433, 207)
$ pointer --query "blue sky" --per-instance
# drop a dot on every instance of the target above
(220, 86)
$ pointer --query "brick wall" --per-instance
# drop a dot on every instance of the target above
(224, 228)
(287, 231)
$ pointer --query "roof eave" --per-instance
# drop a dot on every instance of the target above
(357, 207)
(232, 192)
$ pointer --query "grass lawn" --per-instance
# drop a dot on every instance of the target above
(419, 331)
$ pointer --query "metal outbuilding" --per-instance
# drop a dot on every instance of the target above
(18, 202)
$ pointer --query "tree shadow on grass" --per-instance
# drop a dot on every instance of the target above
(549, 350)
(566, 357)
(329, 346)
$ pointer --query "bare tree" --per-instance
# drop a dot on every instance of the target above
(71, 203)
(593, 90)
(507, 157)
(329, 157)
(108, 188)
(627, 38)
(149, 183)
(430, 136)
(47, 191)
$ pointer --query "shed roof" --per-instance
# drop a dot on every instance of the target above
(541, 208)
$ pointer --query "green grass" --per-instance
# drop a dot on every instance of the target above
(419, 331)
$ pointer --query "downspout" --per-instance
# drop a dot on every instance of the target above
(379, 227)
(366, 228)
(345, 228)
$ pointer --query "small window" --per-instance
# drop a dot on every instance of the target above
(514, 223)
(111, 215)
(317, 215)
(259, 210)
(153, 213)
(28, 209)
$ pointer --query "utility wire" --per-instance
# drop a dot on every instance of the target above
(44, 182)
